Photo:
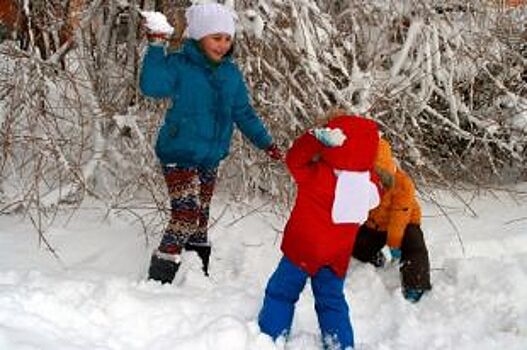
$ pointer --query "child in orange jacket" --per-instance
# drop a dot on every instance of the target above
(396, 222)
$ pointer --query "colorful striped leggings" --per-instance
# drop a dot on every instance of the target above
(190, 191)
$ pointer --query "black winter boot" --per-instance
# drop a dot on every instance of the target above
(162, 270)
(203, 251)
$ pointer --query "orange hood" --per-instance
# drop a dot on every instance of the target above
(384, 159)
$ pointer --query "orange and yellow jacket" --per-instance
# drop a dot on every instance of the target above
(399, 206)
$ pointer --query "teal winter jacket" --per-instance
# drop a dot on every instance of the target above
(207, 101)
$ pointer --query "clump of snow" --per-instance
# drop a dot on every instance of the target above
(330, 137)
(156, 22)
(125, 120)
(519, 121)
(253, 23)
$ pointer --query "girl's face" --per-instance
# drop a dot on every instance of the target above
(216, 45)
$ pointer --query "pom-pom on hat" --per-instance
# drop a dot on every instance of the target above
(209, 18)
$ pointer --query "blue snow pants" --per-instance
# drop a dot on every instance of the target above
(282, 292)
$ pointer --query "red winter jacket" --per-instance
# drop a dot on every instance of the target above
(311, 239)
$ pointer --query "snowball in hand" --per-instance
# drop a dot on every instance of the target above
(156, 22)
(330, 137)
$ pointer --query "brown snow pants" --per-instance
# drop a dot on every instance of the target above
(415, 265)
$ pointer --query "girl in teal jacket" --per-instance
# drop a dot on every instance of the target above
(209, 97)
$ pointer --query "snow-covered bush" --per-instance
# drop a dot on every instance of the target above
(429, 72)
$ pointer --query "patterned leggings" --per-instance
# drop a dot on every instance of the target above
(190, 191)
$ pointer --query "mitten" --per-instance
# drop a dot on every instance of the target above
(274, 152)
(156, 38)
(395, 253)
(329, 137)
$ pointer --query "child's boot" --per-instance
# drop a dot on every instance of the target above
(203, 250)
(415, 265)
(413, 294)
(163, 267)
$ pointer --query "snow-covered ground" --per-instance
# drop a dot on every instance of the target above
(96, 296)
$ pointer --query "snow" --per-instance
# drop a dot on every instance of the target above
(157, 22)
(253, 23)
(96, 296)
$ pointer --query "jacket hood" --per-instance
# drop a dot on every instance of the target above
(384, 159)
(359, 150)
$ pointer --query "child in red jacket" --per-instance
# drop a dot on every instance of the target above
(327, 165)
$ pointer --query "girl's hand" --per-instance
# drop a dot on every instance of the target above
(274, 153)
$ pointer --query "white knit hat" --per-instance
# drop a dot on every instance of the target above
(209, 18)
